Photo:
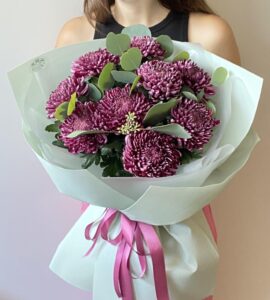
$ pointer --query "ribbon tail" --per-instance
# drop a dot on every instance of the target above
(157, 257)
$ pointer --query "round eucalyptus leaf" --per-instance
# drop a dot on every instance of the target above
(166, 43)
(137, 30)
(131, 59)
(219, 76)
(183, 55)
(118, 43)
(123, 76)
(173, 129)
(95, 93)
(105, 80)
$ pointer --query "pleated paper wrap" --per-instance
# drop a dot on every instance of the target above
(173, 204)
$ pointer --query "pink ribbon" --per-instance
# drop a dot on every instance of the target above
(131, 233)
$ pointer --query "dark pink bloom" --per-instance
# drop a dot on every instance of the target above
(197, 119)
(63, 93)
(161, 79)
(84, 117)
(151, 154)
(148, 46)
(195, 77)
(92, 63)
(117, 103)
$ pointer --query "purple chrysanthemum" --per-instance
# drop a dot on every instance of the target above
(151, 154)
(63, 92)
(92, 63)
(197, 119)
(117, 103)
(149, 47)
(195, 77)
(161, 79)
(82, 118)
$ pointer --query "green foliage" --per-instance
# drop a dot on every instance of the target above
(182, 55)
(134, 84)
(95, 94)
(166, 43)
(188, 93)
(173, 129)
(159, 111)
(105, 80)
(188, 156)
(53, 127)
(131, 59)
(137, 30)
(61, 111)
(71, 104)
(118, 43)
(123, 76)
(219, 76)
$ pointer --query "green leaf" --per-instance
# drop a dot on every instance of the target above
(95, 93)
(105, 80)
(131, 59)
(89, 161)
(159, 111)
(219, 76)
(134, 84)
(53, 127)
(211, 106)
(59, 143)
(82, 132)
(124, 76)
(200, 95)
(71, 104)
(166, 44)
(118, 43)
(173, 129)
(61, 111)
(189, 93)
(183, 55)
(137, 30)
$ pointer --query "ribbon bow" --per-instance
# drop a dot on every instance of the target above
(131, 233)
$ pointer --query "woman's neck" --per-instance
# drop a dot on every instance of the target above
(130, 12)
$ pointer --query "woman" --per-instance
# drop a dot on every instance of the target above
(183, 20)
(202, 25)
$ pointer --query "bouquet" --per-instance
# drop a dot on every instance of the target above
(147, 130)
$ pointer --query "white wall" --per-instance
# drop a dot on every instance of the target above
(34, 216)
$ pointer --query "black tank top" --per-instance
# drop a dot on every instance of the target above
(175, 24)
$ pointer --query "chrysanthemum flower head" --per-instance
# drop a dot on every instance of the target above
(84, 117)
(197, 119)
(149, 47)
(151, 154)
(116, 104)
(161, 79)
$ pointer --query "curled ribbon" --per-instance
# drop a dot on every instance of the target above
(131, 233)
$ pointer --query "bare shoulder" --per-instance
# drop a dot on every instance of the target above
(214, 34)
(73, 31)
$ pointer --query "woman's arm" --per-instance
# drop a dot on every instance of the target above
(215, 35)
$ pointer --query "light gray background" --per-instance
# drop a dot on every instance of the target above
(34, 216)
